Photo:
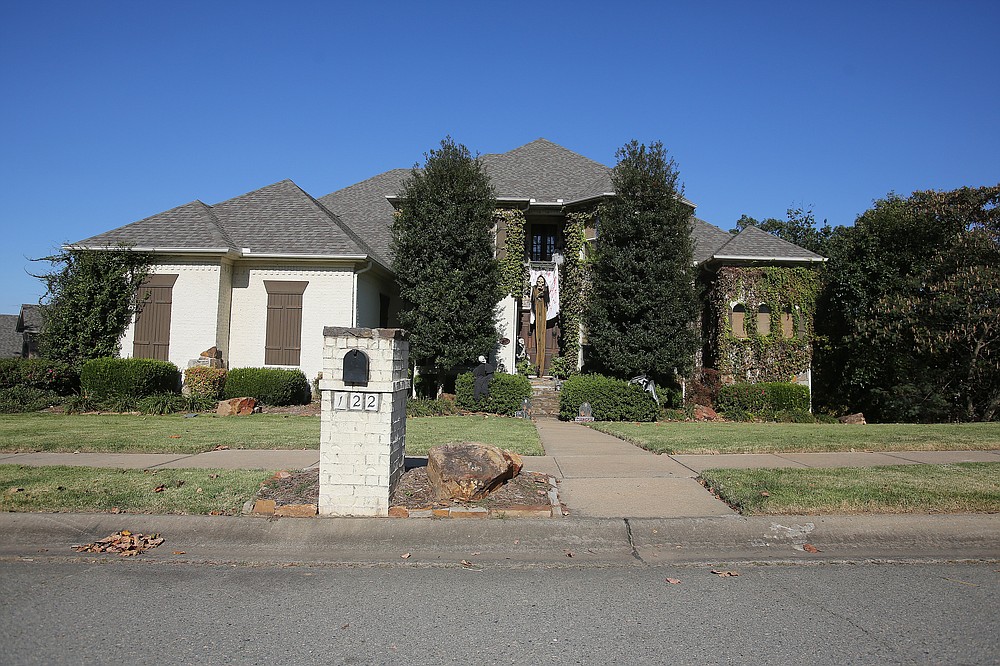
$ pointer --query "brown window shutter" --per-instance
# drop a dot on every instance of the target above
(283, 338)
(152, 324)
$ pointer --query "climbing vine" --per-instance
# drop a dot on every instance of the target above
(513, 269)
(573, 282)
(772, 357)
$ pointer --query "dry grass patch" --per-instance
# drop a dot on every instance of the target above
(88, 490)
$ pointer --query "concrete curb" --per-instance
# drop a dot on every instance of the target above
(571, 542)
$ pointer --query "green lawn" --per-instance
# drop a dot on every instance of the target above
(518, 435)
(176, 434)
(689, 437)
(155, 434)
(185, 491)
(957, 488)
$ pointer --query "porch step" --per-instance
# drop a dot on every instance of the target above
(544, 397)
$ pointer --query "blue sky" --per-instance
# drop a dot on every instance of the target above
(113, 111)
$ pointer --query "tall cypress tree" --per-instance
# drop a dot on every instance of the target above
(642, 304)
(443, 257)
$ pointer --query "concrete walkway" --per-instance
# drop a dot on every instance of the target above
(600, 475)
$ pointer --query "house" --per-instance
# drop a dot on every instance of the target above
(19, 333)
(259, 275)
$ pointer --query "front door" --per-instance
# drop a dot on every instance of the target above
(527, 335)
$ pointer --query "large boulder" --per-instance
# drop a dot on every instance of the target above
(469, 471)
(853, 419)
(236, 407)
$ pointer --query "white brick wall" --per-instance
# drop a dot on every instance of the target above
(194, 313)
(362, 453)
(327, 301)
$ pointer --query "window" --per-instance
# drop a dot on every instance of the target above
(152, 321)
(383, 311)
(787, 323)
(738, 321)
(543, 241)
(283, 342)
(764, 320)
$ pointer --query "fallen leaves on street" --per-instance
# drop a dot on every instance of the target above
(725, 574)
(123, 543)
(674, 581)
(809, 548)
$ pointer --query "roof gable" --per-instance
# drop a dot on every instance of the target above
(757, 245)
(188, 227)
(546, 172)
(11, 342)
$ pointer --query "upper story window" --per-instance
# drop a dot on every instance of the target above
(787, 323)
(543, 242)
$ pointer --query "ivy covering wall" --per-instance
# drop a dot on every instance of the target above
(573, 283)
(763, 358)
(513, 268)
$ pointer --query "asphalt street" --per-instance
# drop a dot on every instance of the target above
(113, 611)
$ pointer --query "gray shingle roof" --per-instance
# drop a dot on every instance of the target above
(278, 219)
(364, 207)
(11, 342)
(30, 318)
(546, 172)
(707, 239)
(752, 243)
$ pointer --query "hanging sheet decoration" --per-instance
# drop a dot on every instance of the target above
(552, 280)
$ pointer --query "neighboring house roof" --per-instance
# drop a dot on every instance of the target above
(277, 220)
(752, 244)
(30, 319)
(707, 239)
(11, 342)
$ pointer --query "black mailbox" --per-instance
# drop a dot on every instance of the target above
(356, 368)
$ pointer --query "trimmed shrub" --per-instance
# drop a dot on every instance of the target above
(39, 373)
(763, 398)
(507, 392)
(204, 381)
(276, 387)
(133, 378)
(610, 399)
(20, 399)
(794, 416)
(423, 407)
(162, 403)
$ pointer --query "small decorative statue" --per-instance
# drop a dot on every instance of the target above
(482, 375)
(540, 308)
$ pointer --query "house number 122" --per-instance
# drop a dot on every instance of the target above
(356, 401)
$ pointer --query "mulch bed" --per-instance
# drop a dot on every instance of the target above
(527, 489)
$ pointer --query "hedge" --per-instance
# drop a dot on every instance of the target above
(610, 399)
(428, 407)
(270, 386)
(132, 378)
(507, 392)
(21, 399)
(203, 381)
(38, 373)
(763, 398)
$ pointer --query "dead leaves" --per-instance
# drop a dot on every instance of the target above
(722, 573)
(123, 544)
(809, 548)
(674, 581)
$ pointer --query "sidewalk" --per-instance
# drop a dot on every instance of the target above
(600, 475)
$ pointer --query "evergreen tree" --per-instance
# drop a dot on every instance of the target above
(443, 257)
(642, 304)
(91, 298)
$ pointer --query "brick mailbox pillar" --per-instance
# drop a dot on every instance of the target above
(364, 390)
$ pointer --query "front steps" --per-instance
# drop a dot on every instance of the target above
(544, 397)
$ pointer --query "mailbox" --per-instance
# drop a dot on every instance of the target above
(356, 368)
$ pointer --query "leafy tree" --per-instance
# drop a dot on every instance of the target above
(909, 314)
(642, 304)
(799, 227)
(443, 258)
(91, 297)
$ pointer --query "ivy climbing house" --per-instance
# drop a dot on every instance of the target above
(258, 276)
